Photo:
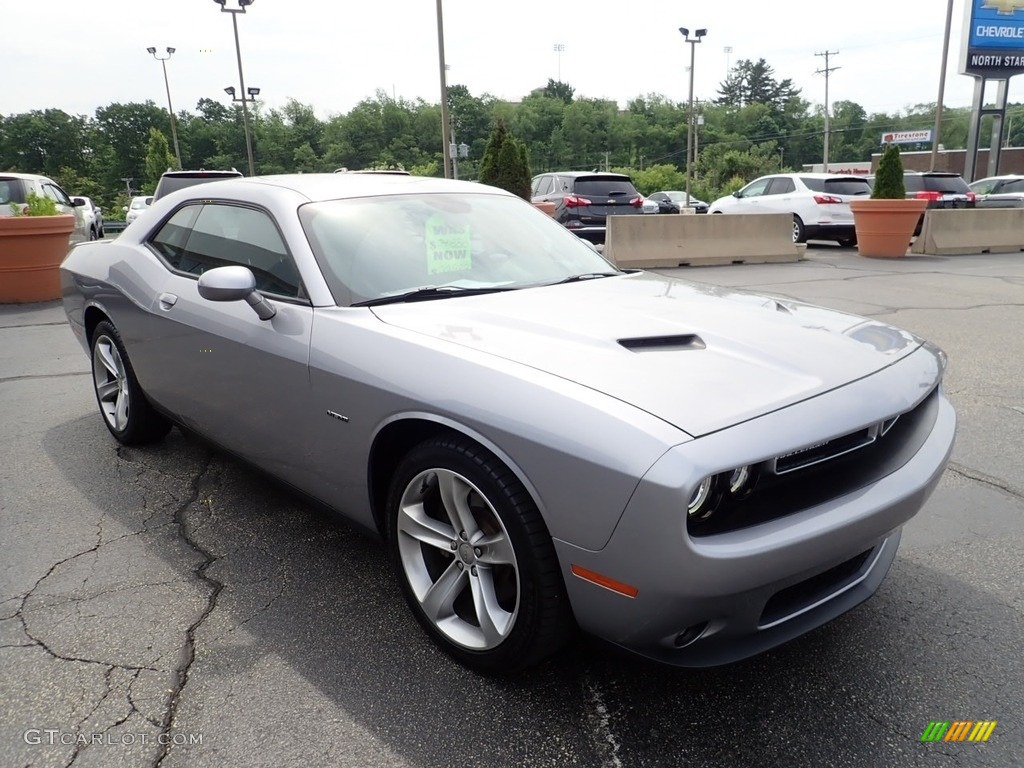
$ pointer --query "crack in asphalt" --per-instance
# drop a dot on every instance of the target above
(604, 738)
(40, 643)
(33, 325)
(189, 652)
(981, 477)
(9, 379)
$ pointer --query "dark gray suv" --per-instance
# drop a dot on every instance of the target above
(583, 199)
(172, 181)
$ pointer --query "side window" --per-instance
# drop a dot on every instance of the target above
(1013, 186)
(224, 235)
(781, 186)
(170, 239)
(984, 188)
(56, 194)
(544, 185)
(755, 188)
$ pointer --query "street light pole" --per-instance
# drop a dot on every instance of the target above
(242, 5)
(445, 120)
(170, 107)
(942, 85)
(698, 35)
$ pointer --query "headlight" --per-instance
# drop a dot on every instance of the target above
(701, 506)
(741, 482)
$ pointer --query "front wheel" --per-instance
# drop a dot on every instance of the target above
(126, 412)
(848, 242)
(474, 558)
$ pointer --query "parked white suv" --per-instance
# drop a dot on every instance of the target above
(93, 216)
(16, 187)
(818, 202)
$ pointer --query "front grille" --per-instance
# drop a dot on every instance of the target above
(789, 601)
(828, 470)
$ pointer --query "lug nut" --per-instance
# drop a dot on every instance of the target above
(455, 545)
(472, 570)
(477, 551)
(462, 535)
(459, 565)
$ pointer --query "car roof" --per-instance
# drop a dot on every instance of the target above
(818, 175)
(202, 173)
(577, 174)
(333, 186)
(14, 175)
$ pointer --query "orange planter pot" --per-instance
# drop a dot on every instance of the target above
(548, 208)
(884, 227)
(31, 250)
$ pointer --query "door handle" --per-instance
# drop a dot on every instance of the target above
(167, 300)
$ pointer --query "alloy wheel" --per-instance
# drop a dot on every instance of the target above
(458, 559)
(110, 378)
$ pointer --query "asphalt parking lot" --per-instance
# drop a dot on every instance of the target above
(169, 606)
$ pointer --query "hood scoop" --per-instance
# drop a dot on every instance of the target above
(651, 343)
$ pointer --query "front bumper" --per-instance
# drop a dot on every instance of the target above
(711, 600)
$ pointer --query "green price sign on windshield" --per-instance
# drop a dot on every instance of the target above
(448, 247)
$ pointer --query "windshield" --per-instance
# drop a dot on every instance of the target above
(373, 247)
(139, 203)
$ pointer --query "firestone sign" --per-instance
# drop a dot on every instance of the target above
(906, 137)
(993, 39)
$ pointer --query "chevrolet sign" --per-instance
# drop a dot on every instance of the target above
(993, 39)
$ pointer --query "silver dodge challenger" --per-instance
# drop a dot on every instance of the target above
(546, 443)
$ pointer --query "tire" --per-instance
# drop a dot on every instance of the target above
(93, 235)
(102, 234)
(482, 577)
(848, 242)
(799, 233)
(125, 410)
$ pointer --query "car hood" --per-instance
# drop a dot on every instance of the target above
(700, 357)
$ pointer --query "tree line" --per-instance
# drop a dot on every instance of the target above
(756, 124)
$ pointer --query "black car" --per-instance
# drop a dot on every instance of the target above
(673, 202)
(172, 181)
(941, 190)
(583, 200)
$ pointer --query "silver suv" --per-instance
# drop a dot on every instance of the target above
(16, 187)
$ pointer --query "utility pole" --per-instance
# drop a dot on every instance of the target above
(825, 72)
(942, 85)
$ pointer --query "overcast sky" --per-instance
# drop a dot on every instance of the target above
(77, 55)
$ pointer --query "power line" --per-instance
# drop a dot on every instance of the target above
(826, 71)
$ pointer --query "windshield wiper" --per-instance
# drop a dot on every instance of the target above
(585, 276)
(430, 292)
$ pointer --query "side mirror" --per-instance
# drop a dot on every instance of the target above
(77, 202)
(235, 283)
(149, 201)
(736, 194)
(124, 208)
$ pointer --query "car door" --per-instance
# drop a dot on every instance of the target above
(779, 196)
(65, 205)
(748, 199)
(239, 380)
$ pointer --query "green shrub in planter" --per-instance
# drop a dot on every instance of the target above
(36, 205)
(889, 178)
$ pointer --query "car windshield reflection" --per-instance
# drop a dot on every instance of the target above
(389, 248)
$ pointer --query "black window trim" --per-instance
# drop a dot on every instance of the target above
(302, 300)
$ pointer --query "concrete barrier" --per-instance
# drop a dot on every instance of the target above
(707, 239)
(971, 230)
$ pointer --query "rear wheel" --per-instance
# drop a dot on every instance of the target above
(127, 414)
(848, 242)
(799, 235)
(475, 561)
